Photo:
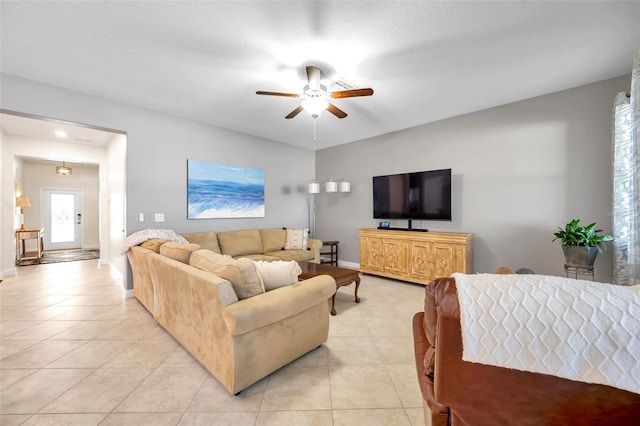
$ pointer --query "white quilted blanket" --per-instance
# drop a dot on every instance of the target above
(140, 237)
(576, 329)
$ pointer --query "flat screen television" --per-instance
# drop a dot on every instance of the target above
(418, 195)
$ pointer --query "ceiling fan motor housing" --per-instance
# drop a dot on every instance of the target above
(321, 92)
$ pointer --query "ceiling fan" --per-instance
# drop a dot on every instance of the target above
(316, 98)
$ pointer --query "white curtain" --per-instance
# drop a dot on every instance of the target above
(626, 182)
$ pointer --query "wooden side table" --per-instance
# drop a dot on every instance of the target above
(332, 252)
(29, 234)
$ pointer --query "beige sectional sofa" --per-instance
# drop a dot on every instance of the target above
(239, 340)
(257, 244)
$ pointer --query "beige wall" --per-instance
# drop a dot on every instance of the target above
(519, 171)
(38, 177)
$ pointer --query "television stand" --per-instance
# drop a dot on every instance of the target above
(417, 257)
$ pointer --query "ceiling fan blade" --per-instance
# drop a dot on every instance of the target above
(289, 95)
(313, 77)
(295, 112)
(336, 111)
(351, 93)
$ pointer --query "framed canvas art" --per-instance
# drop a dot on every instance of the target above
(218, 191)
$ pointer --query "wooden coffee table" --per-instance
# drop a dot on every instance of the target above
(343, 276)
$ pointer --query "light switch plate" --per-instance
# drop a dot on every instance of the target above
(141, 217)
(159, 217)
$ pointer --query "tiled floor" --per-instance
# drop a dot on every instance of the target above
(74, 352)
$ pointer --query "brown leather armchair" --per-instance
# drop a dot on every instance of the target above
(456, 392)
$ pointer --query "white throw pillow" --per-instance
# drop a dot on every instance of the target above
(278, 273)
(297, 239)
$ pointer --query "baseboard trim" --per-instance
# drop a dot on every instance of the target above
(8, 273)
(104, 262)
(128, 294)
(346, 264)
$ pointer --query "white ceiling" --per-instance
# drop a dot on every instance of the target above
(426, 60)
(47, 129)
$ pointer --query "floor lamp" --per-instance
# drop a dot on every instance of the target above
(22, 202)
(330, 185)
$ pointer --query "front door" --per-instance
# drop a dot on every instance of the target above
(62, 218)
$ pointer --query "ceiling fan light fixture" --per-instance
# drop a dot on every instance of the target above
(63, 170)
(315, 106)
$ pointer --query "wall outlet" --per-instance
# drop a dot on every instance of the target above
(141, 217)
(159, 217)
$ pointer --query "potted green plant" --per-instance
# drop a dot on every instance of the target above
(581, 244)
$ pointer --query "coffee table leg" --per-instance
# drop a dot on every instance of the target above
(333, 299)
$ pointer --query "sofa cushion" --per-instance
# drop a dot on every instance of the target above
(238, 243)
(296, 239)
(154, 244)
(278, 274)
(178, 251)
(265, 257)
(206, 240)
(273, 239)
(297, 255)
(240, 272)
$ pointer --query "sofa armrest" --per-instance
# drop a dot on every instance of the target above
(275, 305)
(315, 246)
(438, 414)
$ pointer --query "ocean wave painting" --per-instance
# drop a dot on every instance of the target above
(223, 191)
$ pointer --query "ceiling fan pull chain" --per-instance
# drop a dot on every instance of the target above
(315, 139)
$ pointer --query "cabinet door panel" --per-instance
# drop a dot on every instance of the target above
(395, 257)
(420, 260)
(372, 255)
(443, 260)
(460, 261)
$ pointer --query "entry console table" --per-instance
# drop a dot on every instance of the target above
(29, 234)
(415, 256)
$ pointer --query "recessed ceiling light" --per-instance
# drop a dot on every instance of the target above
(61, 133)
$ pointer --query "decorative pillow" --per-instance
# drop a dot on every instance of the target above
(241, 273)
(278, 274)
(178, 251)
(154, 244)
(297, 239)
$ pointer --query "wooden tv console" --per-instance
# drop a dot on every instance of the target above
(415, 256)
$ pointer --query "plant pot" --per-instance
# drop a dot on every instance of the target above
(580, 255)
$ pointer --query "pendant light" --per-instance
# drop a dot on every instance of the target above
(63, 170)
